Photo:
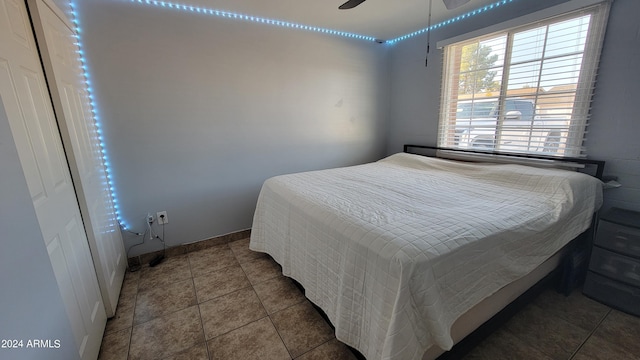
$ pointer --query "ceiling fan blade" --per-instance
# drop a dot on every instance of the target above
(350, 4)
(452, 4)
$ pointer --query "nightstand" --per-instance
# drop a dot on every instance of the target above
(614, 269)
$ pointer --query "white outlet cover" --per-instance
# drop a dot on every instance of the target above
(162, 220)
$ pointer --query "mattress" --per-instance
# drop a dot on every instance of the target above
(395, 251)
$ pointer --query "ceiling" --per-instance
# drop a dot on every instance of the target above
(381, 19)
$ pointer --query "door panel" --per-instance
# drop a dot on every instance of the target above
(34, 129)
(71, 104)
(17, 26)
(29, 164)
(80, 134)
(63, 277)
(43, 132)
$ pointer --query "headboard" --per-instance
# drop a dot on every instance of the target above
(591, 167)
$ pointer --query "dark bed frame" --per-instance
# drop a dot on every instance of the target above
(594, 168)
(567, 276)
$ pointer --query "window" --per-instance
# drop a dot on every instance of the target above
(526, 89)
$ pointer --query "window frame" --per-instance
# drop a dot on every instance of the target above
(577, 123)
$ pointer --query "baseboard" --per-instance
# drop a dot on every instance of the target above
(137, 261)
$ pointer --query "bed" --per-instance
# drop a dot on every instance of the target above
(409, 254)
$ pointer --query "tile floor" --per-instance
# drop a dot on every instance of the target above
(227, 302)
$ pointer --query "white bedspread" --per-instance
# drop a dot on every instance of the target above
(395, 251)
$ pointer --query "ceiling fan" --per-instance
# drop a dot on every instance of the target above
(450, 4)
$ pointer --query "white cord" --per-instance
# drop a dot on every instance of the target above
(150, 230)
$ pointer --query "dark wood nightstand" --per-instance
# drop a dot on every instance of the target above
(614, 269)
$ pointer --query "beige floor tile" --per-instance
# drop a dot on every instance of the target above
(171, 270)
(128, 298)
(301, 328)
(156, 302)
(561, 338)
(242, 252)
(231, 311)
(122, 319)
(597, 348)
(621, 329)
(575, 308)
(237, 288)
(504, 345)
(129, 287)
(333, 349)
(220, 282)
(211, 259)
(115, 345)
(261, 269)
(278, 293)
(257, 340)
(198, 352)
(166, 336)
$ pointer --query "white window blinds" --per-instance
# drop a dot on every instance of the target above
(525, 90)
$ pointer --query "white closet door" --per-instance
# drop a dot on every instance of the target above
(33, 126)
(59, 50)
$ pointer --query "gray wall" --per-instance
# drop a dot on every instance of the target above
(614, 129)
(198, 111)
(615, 123)
(31, 306)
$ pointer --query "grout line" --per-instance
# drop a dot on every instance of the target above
(258, 296)
(232, 330)
(138, 281)
(171, 312)
(135, 301)
(315, 347)
(204, 335)
(280, 336)
(265, 309)
(217, 297)
(590, 334)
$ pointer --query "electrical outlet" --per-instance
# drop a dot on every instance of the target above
(150, 218)
(162, 217)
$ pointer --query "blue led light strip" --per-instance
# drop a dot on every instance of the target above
(450, 21)
(108, 180)
(108, 177)
(256, 19)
